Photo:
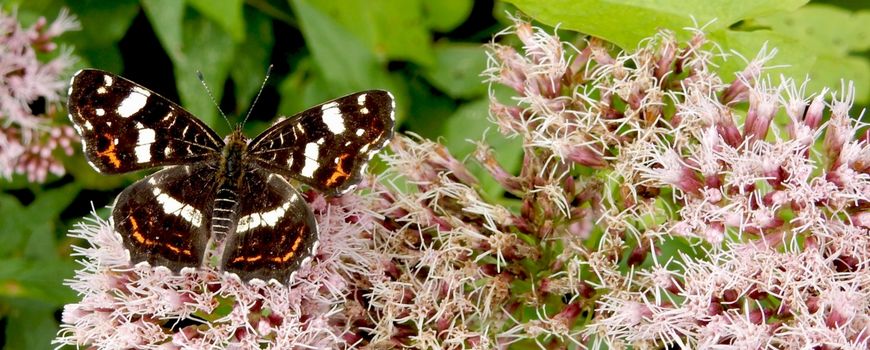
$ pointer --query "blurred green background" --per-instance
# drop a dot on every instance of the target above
(428, 53)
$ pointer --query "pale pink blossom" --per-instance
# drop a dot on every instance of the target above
(33, 130)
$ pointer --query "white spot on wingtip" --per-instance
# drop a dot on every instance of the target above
(392, 106)
(106, 79)
(360, 132)
(332, 117)
(102, 90)
(142, 91)
(100, 112)
(132, 103)
(361, 99)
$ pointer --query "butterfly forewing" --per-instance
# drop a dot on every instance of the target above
(165, 218)
(328, 146)
(275, 230)
(126, 127)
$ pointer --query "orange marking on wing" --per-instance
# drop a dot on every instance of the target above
(339, 173)
(296, 243)
(291, 253)
(251, 259)
(138, 235)
(110, 152)
(173, 248)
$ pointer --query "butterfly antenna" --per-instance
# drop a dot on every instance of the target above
(210, 95)
(268, 73)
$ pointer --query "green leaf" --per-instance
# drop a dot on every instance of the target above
(30, 230)
(293, 86)
(226, 13)
(392, 29)
(166, 17)
(12, 224)
(428, 112)
(40, 280)
(457, 70)
(795, 60)
(345, 63)
(446, 15)
(31, 325)
(828, 46)
(469, 124)
(627, 22)
(209, 50)
(252, 59)
(104, 23)
(830, 71)
(811, 24)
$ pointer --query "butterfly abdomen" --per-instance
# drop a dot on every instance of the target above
(229, 178)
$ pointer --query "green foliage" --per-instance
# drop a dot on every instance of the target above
(428, 53)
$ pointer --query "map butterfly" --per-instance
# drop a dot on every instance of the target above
(222, 202)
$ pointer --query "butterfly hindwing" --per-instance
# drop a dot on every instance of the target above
(328, 146)
(275, 230)
(165, 218)
(126, 127)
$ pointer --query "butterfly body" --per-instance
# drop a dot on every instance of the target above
(222, 203)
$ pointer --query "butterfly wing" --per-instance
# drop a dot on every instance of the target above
(126, 127)
(275, 231)
(165, 218)
(328, 146)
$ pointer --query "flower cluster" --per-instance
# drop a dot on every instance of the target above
(139, 306)
(31, 84)
(658, 205)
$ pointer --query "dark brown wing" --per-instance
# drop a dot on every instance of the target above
(328, 146)
(165, 218)
(275, 231)
(126, 127)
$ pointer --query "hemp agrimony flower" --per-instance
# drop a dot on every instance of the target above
(659, 205)
(30, 91)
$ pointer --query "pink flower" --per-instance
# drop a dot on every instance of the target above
(647, 214)
(30, 91)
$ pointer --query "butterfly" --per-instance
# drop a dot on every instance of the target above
(225, 203)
